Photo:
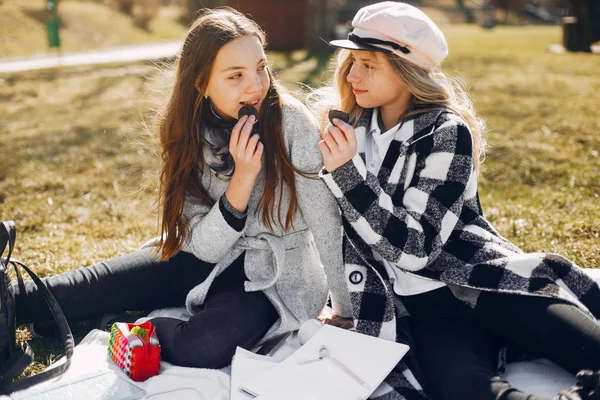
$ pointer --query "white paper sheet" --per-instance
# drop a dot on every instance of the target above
(370, 358)
(245, 366)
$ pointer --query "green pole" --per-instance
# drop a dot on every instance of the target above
(52, 24)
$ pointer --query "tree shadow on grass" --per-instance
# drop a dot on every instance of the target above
(90, 131)
(42, 15)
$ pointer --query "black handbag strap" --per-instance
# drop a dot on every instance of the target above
(20, 360)
(16, 363)
(8, 235)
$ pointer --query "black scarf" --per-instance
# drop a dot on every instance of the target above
(215, 133)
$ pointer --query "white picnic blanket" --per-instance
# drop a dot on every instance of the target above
(94, 376)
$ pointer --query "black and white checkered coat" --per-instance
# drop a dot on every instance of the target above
(421, 213)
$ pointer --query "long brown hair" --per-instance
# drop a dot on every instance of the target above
(179, 135)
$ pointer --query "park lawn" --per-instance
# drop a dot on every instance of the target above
(83, 26)
(78, 166)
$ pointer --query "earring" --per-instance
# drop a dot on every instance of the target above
(205, 96)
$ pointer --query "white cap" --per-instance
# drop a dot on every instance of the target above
(399, 28)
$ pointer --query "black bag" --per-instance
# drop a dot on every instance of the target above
(15, 358)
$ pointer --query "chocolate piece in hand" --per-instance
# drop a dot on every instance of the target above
(341, 115)
(248, 110)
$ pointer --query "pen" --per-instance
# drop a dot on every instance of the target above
(324, 352)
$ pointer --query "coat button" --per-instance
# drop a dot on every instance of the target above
(356, 277)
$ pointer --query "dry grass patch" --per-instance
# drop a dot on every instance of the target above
(84, 26)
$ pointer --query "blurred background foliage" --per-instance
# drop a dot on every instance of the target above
(290, 24)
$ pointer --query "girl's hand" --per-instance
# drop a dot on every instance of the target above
(340, 322)
(245, 150)
(338, 145)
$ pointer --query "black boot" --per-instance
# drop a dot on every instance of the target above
(587, 387)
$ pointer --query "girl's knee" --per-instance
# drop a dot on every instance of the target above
(212, 357)
(210, 338)
(197, 350)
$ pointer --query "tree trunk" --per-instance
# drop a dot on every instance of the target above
(577, 32)
(468, 13)
(322, 19)
(192, 7)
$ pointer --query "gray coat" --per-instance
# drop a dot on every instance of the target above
(292, 268)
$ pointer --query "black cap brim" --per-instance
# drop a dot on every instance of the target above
(350, 45)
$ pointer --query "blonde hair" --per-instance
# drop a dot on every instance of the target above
(428, 87)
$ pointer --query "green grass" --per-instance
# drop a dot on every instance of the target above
(83, 26)
(77, 168)
(541, 182)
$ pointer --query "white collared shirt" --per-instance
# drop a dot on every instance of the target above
(376, 145)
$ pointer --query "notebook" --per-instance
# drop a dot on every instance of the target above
(244, 366)
(352, 367)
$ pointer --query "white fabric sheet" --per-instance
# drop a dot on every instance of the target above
(93, 375)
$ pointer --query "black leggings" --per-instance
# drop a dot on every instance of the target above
(457, 346)
(230, 316)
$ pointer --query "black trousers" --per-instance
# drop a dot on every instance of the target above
(457, 346)
(230, 316)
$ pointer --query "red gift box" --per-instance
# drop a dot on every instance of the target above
(135, 349)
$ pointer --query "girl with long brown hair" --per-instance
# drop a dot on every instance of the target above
(250, 235)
